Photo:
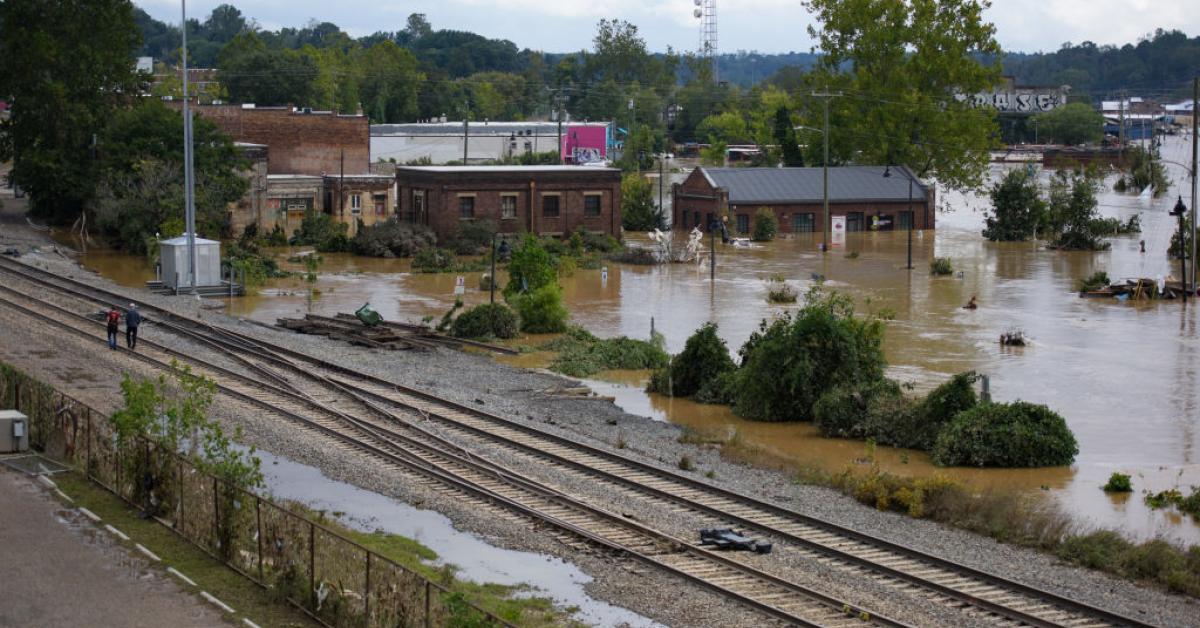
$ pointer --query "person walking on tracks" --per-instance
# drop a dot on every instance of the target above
(132, 319)
(113, 320)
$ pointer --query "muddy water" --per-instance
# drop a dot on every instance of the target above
(1124, 375)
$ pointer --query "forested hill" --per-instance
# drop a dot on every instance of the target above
(1162, 65)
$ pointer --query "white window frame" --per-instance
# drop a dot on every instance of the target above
(356, 203)
(504, 196)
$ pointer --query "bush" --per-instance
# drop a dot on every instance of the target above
(637, 256)
(718, 390)
(1015, 434)
(392, 238)
(941, 266)
(1118, 483)
(581, 354)
(704, 358)
(766, 226)
(1017, 207)
(530, 269)
(939, 407)
(778, 291)
(474, 237)
(1098, 280)
(433, 260)
(1099, 550)
(320, 230)
(541, 310)
(490, 320)
(790, 362)
(844, 411)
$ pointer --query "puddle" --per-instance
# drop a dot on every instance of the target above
(476, 559)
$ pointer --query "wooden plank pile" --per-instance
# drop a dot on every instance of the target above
(1137, 289)
(386, 335)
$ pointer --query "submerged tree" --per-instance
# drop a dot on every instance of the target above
(1073, 123)
(1072, 211)
(1017, 207)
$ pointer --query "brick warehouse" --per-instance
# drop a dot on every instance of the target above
(299, 141)
(546, 200)
(862, 194)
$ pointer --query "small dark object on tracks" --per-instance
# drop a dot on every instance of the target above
(728, 539)
(12, 252)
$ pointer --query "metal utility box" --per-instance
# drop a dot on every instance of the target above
(173, 255)
(14, 432)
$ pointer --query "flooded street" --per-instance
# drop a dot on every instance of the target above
(1124, 375)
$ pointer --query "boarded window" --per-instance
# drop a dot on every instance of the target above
(550, 206)
(591, 205)
(466, 207)
(508, 206)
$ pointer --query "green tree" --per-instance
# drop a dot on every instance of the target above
(704, 358)
(530, 269)
(1017, 207)
(784, 133)
(638, 212)
(766, 226)
(65, 66)
(790, 362)
(1074, 123)
(901, 65)
(728, 127)
(254, 73)
(389, 82)
(140, 191)
(1072, 211)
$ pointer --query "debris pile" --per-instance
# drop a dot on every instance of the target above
(728, 539)
(381, 335)
(1137, 289)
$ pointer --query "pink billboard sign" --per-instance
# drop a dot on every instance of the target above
(583, 144)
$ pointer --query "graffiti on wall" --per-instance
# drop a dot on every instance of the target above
(586, 155)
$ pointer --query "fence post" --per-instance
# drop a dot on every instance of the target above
(312, 566)
(216, 515)
(87, 471)
(367, 593)
(427, 620)
(258, 524)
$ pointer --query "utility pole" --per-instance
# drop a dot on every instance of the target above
(1195, 158)
(825, 96)
(662, 158)
(341, 184)
(1121, 129)
(466, 134)
(189, 194)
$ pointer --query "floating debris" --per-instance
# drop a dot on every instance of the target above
(1137, 289)
(1013, 338)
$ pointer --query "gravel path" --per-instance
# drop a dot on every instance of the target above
(515, 393)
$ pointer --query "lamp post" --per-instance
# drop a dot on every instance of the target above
(712, 248)
(827, 227)
(887, 172)
(1180, 210)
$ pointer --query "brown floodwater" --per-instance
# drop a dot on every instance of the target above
(1124, 375)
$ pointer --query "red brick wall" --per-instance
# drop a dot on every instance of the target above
(689, 199)
(443, 191)
(298, 143)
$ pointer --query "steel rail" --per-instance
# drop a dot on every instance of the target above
(836, 609)
(756, 522)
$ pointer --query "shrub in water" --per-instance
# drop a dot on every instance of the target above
(433, 260)
(765, 225)
(791, 361)
(1015, 434)
(392, 238)
(778, 291)
(1099, 279)
(704, 358)
(720, 389)
(932, 413)
(1118, 483)
(941, 266)
(580, 353)
(541, 310)
(490, 320)
(531, 268)
(859, 410)
(474, 237)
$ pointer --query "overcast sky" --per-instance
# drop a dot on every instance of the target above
(762, 25)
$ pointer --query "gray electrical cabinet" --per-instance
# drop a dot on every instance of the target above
(14, 432)
(173, 255)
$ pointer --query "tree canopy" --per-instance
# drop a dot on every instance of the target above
(1073, 123)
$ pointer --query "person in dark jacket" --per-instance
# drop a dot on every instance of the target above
(113, 321)
(132, 320)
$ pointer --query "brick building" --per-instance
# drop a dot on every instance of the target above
(350, 200)
(301, 141)
(868, 199)
(547, 200)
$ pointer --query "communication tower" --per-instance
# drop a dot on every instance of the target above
(706, 12)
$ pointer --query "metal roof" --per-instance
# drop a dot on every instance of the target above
(503, 169)
(498, 128)
(804, 185)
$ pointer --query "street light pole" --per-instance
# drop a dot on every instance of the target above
(1181, 211)
(911, 216)
(189, 192)
(825, 169)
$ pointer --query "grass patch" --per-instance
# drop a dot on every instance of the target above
(246, 597)
(1030, 520)
(511, 603)
(778, 290)
(580, 353)
(685, 463)
(941, 266)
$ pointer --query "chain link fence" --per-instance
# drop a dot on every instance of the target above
(332, 578)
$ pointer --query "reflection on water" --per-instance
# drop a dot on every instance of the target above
(1124, 375)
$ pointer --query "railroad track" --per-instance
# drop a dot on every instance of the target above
(941, 581)
(486, 483)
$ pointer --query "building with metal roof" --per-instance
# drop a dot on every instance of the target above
(866, 197)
